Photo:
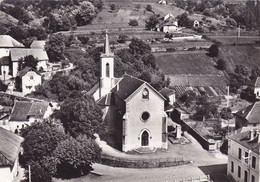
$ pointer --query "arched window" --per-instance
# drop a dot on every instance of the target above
(145, 94)
(145, 138)
(107, 70)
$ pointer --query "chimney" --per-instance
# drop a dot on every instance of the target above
(251, 134)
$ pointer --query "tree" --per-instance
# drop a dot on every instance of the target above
(133, 23)
(184, 21)
(149, 7)
(122, 38)
(243, 71)
(146, 76)
(137, 46)
(151, 23)
(28, 61)
(226, 113)
(55, 47)
(221, 64)
(112, 7)
(38, 173)
(80, 115)
(76, 156)
(85, 14)
(213, 50)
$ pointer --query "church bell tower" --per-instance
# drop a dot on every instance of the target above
(107, 69)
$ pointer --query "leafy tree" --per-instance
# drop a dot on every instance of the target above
(112, 7)
(40, 140)
(184, 21)
(151, 23)
(213, 50)
(122, 38)
(76, 156)
(29, 61)
(221, 64)
(149, 7)
(55, 47)
(85, 14)
(137, 46)
(243, 71)
(79, 115)
(226, 113)
(146, 76)
(133, 23)
(38, 173)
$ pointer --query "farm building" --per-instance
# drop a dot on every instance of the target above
(133, 110)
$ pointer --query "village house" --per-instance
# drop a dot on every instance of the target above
(28, 79)
(243, 156)
(248, 116)
(196, 24)
(168, 94)
(6, 43)
(26, 112)
(17, 54)
(169, 24)
(133, 110)
(9, 155)
(257, 88)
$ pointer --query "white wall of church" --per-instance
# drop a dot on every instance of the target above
(135, 125)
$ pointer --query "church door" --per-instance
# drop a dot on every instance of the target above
(145, 138)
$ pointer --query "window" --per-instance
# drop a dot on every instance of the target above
(145, 94)
(253, 162)
(239, 153)
(31, 77)
(253, 178)
(145, 116)
(245, 176)
(107, 70)
(238, 171)
(246, 157)
(232, 166)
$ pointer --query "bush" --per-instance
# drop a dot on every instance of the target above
(149, 7)
(133, 23)
(221, 64)
(213, 50)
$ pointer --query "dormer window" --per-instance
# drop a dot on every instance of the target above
(145, 94)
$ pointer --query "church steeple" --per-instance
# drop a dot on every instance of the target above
(107, 69)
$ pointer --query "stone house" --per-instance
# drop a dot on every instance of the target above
(25, 113)
(9, 155)
(28, 79)
(243, 156)
(134, 116)
(169, 24)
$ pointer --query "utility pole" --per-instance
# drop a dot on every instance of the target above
(29, 169)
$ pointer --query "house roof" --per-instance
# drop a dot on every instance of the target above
(106, 100)
(38, 44)
(25, 70)
(23, 109)
(7, 41)
(243, 139)
(17, 54)
(167, 92)
(257, 82)
(251, 113)
(9, 147)
(4, 60)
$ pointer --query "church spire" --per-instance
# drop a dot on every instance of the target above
(107, 51)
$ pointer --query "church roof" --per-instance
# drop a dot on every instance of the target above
(107, 51)
(128, 85)
(9, 147)
(106, 100)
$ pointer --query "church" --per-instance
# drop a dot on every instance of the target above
(134, 116)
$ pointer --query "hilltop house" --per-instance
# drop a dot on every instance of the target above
(133, 110)
(25, 113)
(248, 116)
(28, 79)
(9, 154)
(169, 24)
(243, 156)
(6, 43)
(257, 88)
(17, 54)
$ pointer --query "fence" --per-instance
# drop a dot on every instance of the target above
(142, 163)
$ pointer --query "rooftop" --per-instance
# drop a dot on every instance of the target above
(6, 41)
(251, 113)
(9, 147)
(257, 82)
(25, 70)
(17, 54)
(38, 44)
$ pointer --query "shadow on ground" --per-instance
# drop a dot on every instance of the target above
(218, 173)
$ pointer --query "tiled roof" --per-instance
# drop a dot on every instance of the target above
(244, 140)
(106, 100)
(38, 44)
(7, 41)
(23, 109)
(257, 83)
(9, 147)
(251, 113)
(17, 54)
(25, 70)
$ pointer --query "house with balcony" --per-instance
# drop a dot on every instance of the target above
(243, 156)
